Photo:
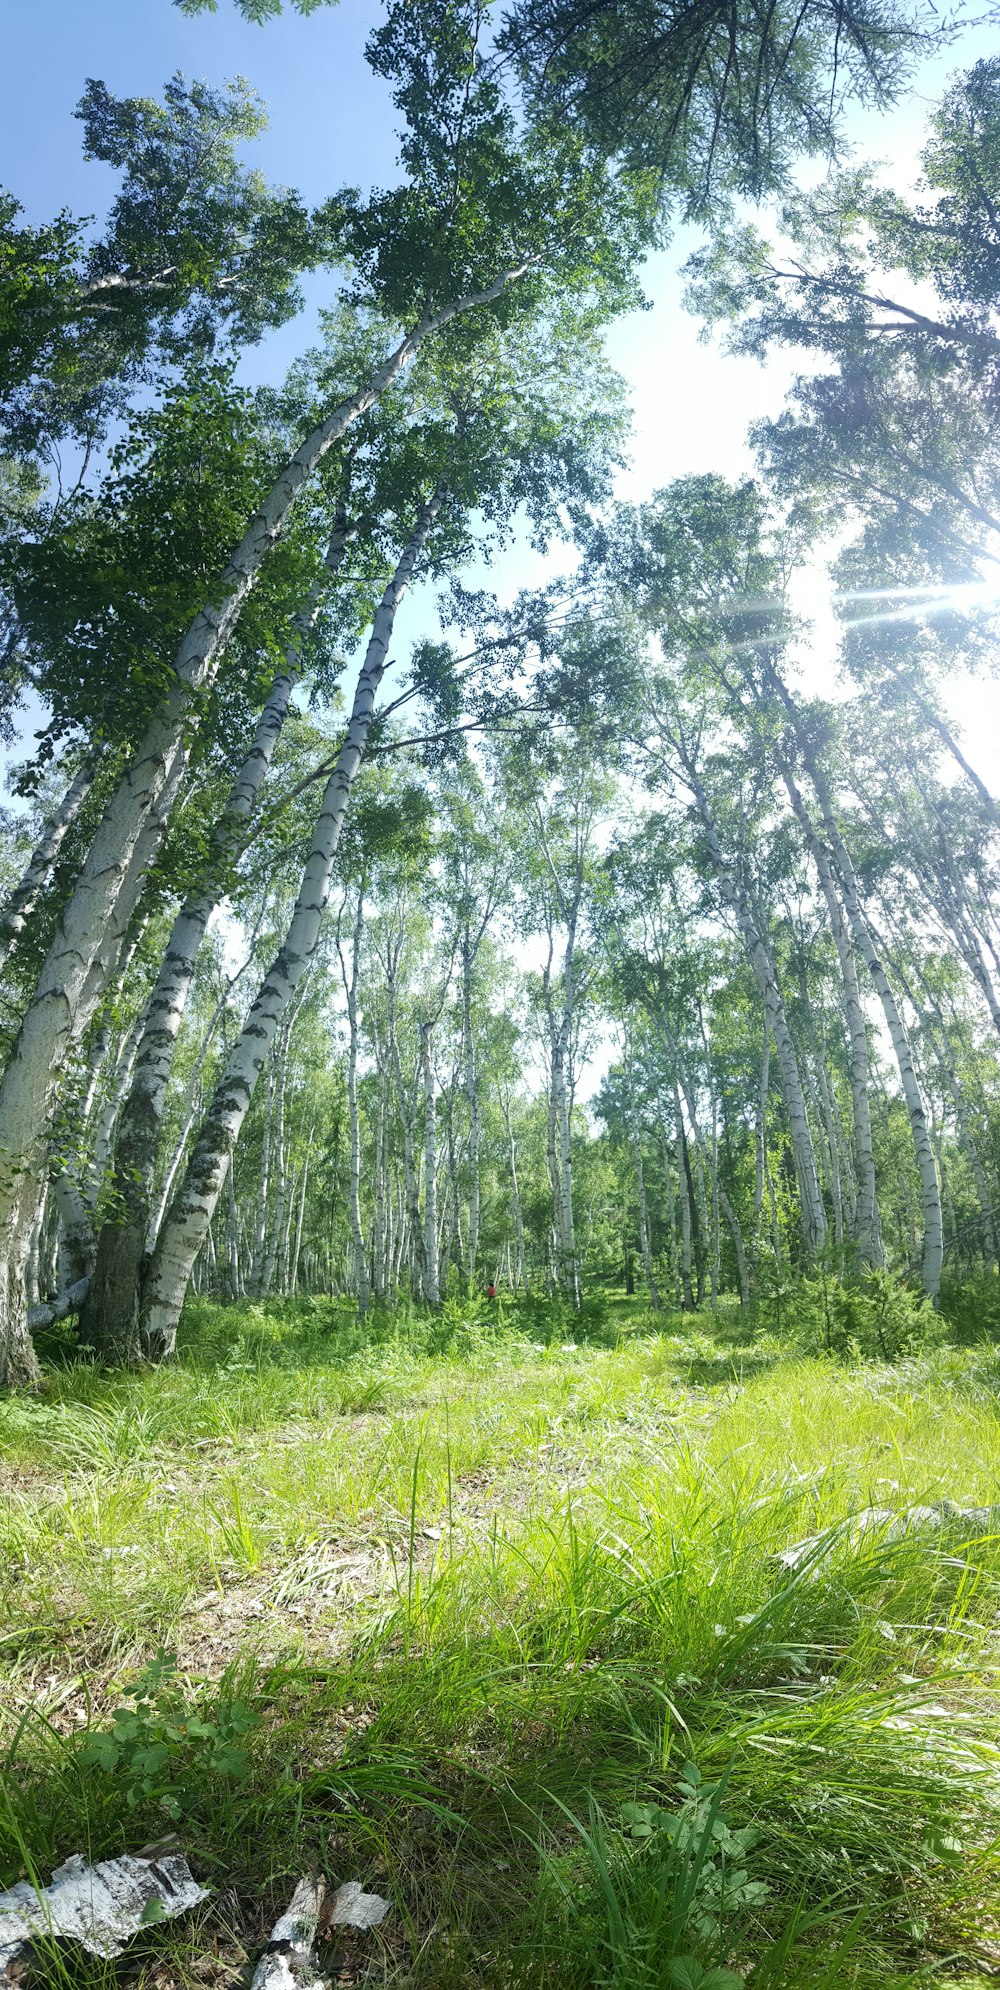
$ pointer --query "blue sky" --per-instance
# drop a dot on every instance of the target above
(331, 122)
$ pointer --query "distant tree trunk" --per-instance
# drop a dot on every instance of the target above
(646, 1253)
(276, 1225)
(193, 1207)
(866, 1240)
(811, 1211)
(379, 1239)
(350, 980)
(737, 1235)
(432, 1290)
(687, 1295)
(293, 1270)
(933, 1246)
(475, 1123)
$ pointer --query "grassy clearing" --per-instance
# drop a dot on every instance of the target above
(498, 1625)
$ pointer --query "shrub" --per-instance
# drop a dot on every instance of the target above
(877, 1318)
(655, 1905)
(972, 1309)
(162, 1748)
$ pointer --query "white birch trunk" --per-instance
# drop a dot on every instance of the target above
(687, 1295)
(23, 899)
(350, 980)
(933, 1244)
(193, 1207)
(519, 1280)
(812, 1213)
(432, 1289)
(379, 1238)
(645, 1252)
(737, 1235)
(293, 1269)
(277, 1222)
(866, 1240)
(111, 1316)
(66, 996)
(471, 1253)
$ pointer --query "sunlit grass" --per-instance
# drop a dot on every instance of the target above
(483, 1586)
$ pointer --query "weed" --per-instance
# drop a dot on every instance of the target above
(482, 1584)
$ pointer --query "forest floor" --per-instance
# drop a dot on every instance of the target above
(434, 1608)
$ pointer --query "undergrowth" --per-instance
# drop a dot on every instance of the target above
(489, 1610)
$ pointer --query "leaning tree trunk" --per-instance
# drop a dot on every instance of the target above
(26, 893)
(52, 1025)
(66, 993)
(191, 1212)
(110, 1320)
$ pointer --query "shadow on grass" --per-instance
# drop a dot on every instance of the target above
(459, 1797)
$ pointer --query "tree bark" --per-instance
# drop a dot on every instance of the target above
(65, 996)
(111, 1316)
(811, 1211)
(23, 899)
(350, 981)
(432, 1289)
(193, 1207)
(933, 1245)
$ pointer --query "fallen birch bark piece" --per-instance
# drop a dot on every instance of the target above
(894, 1524)
(288, 1962)
(350, 1908)
(100, 1906)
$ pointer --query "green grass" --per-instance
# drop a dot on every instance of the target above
(479, 1589)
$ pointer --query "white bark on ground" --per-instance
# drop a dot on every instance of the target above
(191, 1212)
